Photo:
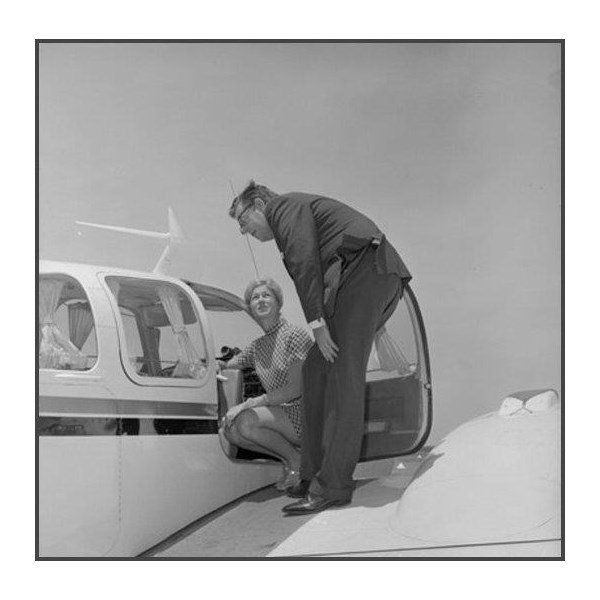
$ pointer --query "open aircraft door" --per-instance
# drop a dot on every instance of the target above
(398, 408)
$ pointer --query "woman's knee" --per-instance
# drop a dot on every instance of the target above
(231, 433)
(246, 423)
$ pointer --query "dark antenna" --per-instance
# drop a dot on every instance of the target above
(235, 194)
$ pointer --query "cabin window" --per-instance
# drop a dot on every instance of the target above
(66, 335)
(162, 333)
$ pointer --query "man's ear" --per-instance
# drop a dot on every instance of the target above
(259, 204)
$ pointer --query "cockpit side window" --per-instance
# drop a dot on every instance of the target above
(67, 333)
(163, 336)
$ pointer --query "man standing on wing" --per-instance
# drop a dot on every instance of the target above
(349, 280)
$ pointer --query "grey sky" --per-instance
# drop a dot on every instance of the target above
(453, 149)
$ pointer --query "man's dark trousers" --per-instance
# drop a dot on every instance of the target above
(334, 393)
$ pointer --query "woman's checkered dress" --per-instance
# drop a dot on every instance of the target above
(271, 356)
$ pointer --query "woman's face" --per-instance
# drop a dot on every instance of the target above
(263, 303)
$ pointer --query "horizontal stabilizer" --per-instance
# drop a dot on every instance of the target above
(154, 234)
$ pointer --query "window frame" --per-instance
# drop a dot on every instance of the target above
(69, 276)
(130, 372)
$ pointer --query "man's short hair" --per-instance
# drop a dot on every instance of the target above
(271, 284)
(248, 197)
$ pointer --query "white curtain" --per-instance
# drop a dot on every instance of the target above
(153, 334)
(81, 323)
(56, 350)
(387, 356)
(189, 363)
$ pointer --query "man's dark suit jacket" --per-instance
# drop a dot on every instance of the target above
(318, 238)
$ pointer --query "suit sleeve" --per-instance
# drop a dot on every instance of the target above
(295, 232)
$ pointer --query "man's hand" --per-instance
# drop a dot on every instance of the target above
(326, 345)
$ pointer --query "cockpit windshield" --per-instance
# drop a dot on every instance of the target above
(232, 327)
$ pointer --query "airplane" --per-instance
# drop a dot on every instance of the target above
(131, 402)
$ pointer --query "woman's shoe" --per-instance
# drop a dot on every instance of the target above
(280, 484)
(290, 478)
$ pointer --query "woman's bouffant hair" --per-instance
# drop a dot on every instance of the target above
(251, 193)
(271, 284)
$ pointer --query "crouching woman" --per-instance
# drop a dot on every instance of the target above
(271, 423)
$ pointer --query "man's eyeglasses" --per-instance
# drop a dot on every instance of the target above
(241, 220)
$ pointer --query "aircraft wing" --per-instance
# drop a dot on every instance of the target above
(489, 489)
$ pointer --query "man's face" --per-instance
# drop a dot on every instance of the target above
(253, 221)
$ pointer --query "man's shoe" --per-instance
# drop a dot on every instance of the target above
(312, 504)
(300, 490)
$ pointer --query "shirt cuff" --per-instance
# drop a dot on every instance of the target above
(317, 323)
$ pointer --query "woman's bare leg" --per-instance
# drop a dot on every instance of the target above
(269, 427)
(233, 435)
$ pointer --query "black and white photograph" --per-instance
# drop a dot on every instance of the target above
(300, 299)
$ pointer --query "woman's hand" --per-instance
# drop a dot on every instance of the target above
(233, 412)
(327, 346)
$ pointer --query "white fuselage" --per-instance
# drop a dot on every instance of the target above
(126, 461)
